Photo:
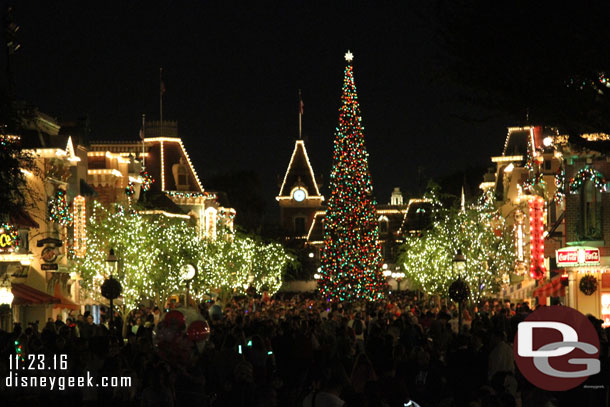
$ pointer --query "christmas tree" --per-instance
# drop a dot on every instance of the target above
(351, 257)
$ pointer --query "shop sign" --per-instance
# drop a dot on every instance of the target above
(577, 256)
(8, 239)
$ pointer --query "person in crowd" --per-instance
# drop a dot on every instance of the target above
(300, 350)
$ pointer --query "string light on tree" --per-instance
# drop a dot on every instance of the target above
(351, 257)
(477, 231)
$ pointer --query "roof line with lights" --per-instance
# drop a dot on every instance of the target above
(178, 140)
(411, 201)
(313, 178)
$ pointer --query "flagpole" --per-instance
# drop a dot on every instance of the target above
(300, 116)
(143, 137)
(161, 102)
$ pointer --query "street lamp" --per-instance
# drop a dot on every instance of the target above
(111, 288)
(188, 272)
(459, 263)
(459, 268)
(398, 276)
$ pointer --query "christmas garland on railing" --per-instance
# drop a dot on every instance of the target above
(585, 174)
(560, 180)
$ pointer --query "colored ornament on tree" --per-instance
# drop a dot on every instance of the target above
(585, 174)
(147, 180)
(588, 284)
(351, 256)
(59, 210)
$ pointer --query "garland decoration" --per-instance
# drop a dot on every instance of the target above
(147, 180)
(588, 284)
(560, 181)
(59, 210)
(129, 189)
(585, 174)
(181, 194)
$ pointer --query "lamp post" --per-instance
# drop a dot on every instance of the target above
(188, 272)
(459, 267)
(111, 288)
(398, 276)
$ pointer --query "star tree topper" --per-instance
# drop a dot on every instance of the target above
(349, 56)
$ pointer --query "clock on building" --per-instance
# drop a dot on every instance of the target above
(298, 194)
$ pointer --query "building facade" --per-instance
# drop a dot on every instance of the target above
(302, 212)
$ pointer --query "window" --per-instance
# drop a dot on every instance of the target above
(591, 214)
(383, 225)
(547, 164)
(182, 175)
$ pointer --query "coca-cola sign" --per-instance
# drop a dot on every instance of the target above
(577, 256)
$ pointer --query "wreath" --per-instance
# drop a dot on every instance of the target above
(585, 174)
(588, 284)
(459, 290)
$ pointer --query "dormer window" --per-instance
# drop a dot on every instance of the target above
(181, 175)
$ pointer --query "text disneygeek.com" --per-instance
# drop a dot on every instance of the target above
(16, 380)
(26, 371)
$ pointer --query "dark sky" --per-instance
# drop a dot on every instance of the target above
(232, 71)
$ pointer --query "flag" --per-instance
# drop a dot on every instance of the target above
(162, 88)
(142, 134)
(300, 103)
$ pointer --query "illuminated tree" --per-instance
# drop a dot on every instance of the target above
(134, 240)
(351, 256)
(151, 252)
(478, 231)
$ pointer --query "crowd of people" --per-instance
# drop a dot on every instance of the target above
(299, 350)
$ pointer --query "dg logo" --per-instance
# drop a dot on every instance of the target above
(557, 348)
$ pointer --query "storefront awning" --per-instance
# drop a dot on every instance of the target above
(23, 219)
(63, 301)
(553, 288)
(26, 295)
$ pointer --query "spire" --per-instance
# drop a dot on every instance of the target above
(463, 204)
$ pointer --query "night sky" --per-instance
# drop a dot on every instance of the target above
(232, 71)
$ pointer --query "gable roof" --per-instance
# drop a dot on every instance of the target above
(299, 171)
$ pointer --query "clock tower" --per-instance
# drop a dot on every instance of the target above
(299, 197)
